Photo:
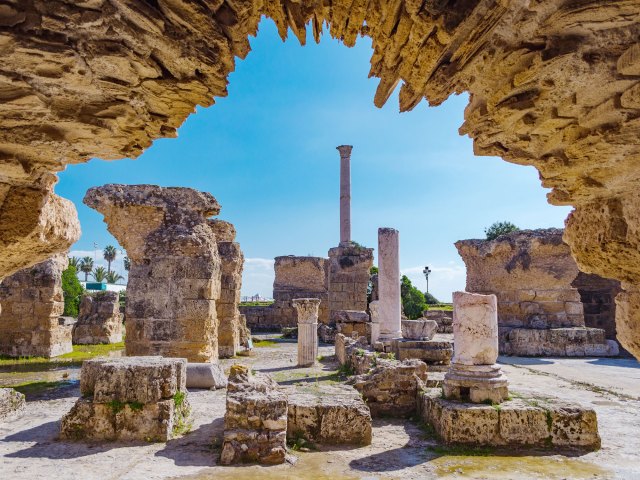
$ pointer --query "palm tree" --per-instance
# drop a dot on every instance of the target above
(74, 262)
(99, 274)
(109, 254)
(127, 263)
(113, 277)
(86, 266)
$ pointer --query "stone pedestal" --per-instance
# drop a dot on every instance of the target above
(99, 320)
(129, 398)
(473, 374)
(174, 280)
(421, 329)
(352, 323)
(390, 307)
(255, 422)
(307, 330)
(31, 303)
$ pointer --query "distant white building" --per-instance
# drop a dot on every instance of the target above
(111, 287)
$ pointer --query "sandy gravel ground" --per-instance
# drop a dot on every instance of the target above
(29, 448)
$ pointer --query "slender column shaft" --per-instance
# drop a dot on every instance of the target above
(345, 194)
(390, 308)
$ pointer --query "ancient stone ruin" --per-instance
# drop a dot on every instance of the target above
(99, 319)
(255, 422)
(131, 398)
(174, 279)
(474, 375)
(31, 304)
(390, 306)
(12, 404)
(232, 262)
(307, 330)
(539, 311)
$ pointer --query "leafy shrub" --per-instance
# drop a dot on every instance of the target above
(499, 228)
(413, 302)
(72, 291)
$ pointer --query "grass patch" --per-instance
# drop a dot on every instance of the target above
(79, 353)
(447, 307)
(38, 387)
(300, 444)
(461, 450)
(256, 304)
(261, 343)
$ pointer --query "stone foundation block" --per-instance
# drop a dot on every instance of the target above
(429, 351)
(205, 375)
(330, 415)
(130, 398)
(422, 329)
(99, 320)
(255, 423)
(12, 404)
(560, 342)
(532, 422)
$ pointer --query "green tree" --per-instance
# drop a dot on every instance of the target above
(109, 254)
(127, 263)
(99, 274)
(74, 262)
(413, 302)
(430, 299)
(113, 277)
(86, 265)
(72, 291)
(499, 228)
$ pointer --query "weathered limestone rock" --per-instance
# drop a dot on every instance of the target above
(531, 272)
(374, 310)
(390, 305)
(348, 277)
(421, 329)
(99, 319)
(329, 415)
(435, 353)
(549, 87)
(12, 405)
(307, 330)
(390, 389)
(473, 374)
(232, 263)
(444, 319)
(539, 422)
(129, 398)
(352, 323)
(31, 303)
(205, 375)
(255, 423)
(174, 279)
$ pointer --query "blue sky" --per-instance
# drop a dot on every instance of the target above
(267, 153)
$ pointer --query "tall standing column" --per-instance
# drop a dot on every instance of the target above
(390, 307)
(345, 194)
(307, 330)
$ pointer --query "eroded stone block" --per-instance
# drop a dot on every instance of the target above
(99, 319)
(12, 404)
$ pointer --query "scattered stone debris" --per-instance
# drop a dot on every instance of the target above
(255, 423)
(12, 404)
(99, 319)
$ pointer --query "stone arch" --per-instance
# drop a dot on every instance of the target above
(553, 84)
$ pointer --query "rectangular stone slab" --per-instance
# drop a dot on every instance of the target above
(133, 379)
(533, 422)
(328, 414)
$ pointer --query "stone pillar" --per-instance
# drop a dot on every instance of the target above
(345, 194)
(390, 306)
(307, 330)
(227, 305)
(32, 302)
(374, 310)
(99, 319)
(174, 280)
(473, 374)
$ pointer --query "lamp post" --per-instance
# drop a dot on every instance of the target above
(426, 272)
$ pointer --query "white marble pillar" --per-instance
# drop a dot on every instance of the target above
(307, 309)
(375, 321)
(390, 306)
(473, 374)
(345, 194)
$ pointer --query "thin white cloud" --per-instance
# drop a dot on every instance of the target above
(257, 277)
(443, 279)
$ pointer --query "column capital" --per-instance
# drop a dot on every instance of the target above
(345, 150)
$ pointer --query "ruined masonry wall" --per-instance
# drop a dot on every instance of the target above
(31, 303)
(348, 278)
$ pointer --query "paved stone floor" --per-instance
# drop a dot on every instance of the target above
(30, 450)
